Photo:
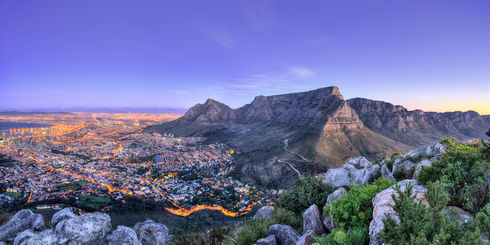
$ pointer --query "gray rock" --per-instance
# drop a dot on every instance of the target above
(358, 170)
(269, 240)
(306, 239)
(28, 237)
(151, 233)
(89, 228)
(461, 215)
(337, 177)
(264, 212)
(405, 166)
(419, 166)
(433, 149)
(312, 221)
(66, 213)
(285, 234)
(124, 236)
(383, 204)
(22, 220)
(385, 173)
(326, 220)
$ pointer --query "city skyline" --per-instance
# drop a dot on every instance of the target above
(423, 55)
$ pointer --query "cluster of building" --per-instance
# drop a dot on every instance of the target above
(111, 157)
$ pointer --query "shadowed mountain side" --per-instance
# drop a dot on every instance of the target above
(417, 127)
(282, 136)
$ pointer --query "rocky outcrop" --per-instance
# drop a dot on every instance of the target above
(264, 212)
(433, 149)
(66, 213)
(357, 171)
(124, 235)
(383, 205)
(326, 218)
(423, 163)
(21, 221)
(407, 167)
(28, 237)
(90, 228)
(312, 221)
(269, 240)
(285, 234)
(307, 239)
(151, 233)
(386, 173)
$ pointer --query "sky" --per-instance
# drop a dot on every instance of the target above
(432, 55)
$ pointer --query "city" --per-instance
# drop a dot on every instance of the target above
(95, 159)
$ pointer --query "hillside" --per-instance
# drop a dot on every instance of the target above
(278, 136)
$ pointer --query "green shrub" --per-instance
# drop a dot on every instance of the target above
(399, 175)
(391, 161)
(341, 237)
(354, 210)
(214, 236)
(482, 219)
(421, 225)
(463, 170)
(256, 229)
(303, 194)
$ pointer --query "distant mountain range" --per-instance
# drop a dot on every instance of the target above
(98, 109)
(281, 136)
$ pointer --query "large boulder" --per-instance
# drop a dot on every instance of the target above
(426, 163)
(28, 237)
(312, 221)
(307, 239)
(22, 220)
(66, 213)
(433, 149)
(264, 212)
(385, 173)
(285, 234)
(151, 233)
(124, 236)
(326, 219)
(269, 240)
(383, 204)
(407, 167)
(89, 228)
(358, 171)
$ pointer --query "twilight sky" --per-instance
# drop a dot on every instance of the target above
(423, 54)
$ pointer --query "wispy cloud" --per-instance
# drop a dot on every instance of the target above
(301, 72)
(222, 38)
(260, 15)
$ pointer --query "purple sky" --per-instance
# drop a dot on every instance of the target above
(431, 55)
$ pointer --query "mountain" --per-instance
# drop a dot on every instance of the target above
(282, 136)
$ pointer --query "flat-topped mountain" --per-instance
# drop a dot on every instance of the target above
(281, 136)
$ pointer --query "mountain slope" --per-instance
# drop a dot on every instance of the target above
(314, 130)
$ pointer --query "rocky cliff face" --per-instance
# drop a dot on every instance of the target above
(316, 130)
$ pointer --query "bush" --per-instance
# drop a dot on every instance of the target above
(391, 161)
(483, 220)
(303, 194)
(214, 236)
(339, 236)
(463, 171)
(421, 225)
(354, 210)
(256, 229)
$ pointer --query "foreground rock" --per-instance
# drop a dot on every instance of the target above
(383, 204)
(423, 163)
(90, 228)
(312, 221)
(326, 219)
(269, 240)
(28, 237)
(151, 233)
(66, 213)
(385, 173)
(358, 170)
(22, 220)
(407, 167)
(306, 239)
(432, 150)
(285, 234)
(264, 212)
(124, 235)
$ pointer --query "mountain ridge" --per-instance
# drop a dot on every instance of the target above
(321, 126)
